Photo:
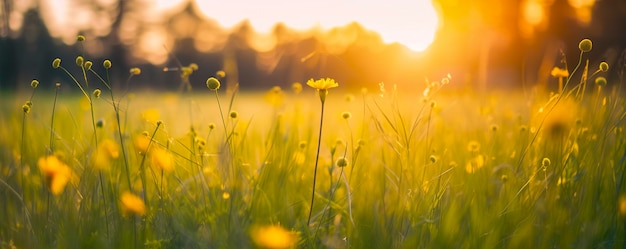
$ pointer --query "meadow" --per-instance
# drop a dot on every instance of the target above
(427, 166)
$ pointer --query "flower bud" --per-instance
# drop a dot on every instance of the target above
(220, 74)
(106, 64)
(213, 84)
(88, 65)
(604, 66)
(96, 93)
(80, 38)
(585, 45)
(100, 123)
(342, 162)
(600, 81)
(56, 63)
(34, 83)
(296, 87)
(79, 61)
(135, 71)
(26, 108)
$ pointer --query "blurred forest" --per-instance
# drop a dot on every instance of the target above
(482, 44)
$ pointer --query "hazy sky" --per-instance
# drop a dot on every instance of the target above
(412, 23)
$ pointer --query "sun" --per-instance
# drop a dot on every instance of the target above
(411, 23)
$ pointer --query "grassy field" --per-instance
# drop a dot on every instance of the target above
(397, 168)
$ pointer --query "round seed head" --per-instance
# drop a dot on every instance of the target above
(34, 83)
(302, 144)
(96, 93)
(100, 123)
(106, 64)
(342, 162)
(135, 71)
(56, 63)
(600, 81)
(213, 84)
(26, 108)
(80, 38)
(585, 45)
(79, 61)
(545, 162)
(504, 178)
(346, 115)
(233, 114)
(604, 66)
(211, 126)
(88, 65)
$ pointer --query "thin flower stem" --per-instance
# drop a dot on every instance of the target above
(142, 167)
(217, 96)
(76, 81)
(54, 104)
(317, 158)
(116, 109)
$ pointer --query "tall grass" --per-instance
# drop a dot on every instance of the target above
(400, 168)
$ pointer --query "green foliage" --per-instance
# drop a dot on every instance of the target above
(456, 170)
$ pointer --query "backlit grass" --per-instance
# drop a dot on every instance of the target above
(426, 167)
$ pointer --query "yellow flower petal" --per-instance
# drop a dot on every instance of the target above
(322, 84)
(274, 237)
(56, 173)
(132, 204)
(162, 159)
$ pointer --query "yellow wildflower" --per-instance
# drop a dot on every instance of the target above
(322, 86)
(162, 159)
(560, 74)
(107, 150)
(273, 236)
(132, 204)
(56, 173)
(475, 164)
(559, 121)
(141, 143)
(150, 115)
